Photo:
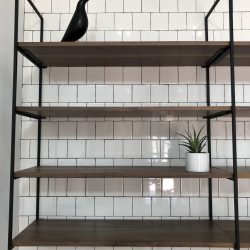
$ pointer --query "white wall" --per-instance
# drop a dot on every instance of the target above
(132, 141)
(6, 69)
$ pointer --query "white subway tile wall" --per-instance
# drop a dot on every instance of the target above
(131, 141)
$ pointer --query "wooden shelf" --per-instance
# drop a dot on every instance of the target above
(118, 172)
(185, 111)
(168, 111)
(243, 172)
(76, 54)
(171, 233)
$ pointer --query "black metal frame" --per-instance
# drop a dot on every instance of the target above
(14, 113)
(213, 60)
(29, 115)
(218, 56)
(31, 58)
(13, 130)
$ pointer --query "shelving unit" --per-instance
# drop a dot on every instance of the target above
(172, 233)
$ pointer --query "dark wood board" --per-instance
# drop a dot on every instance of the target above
(243, 172)
(243, 111)
(75, 54)
(118, 172)
(171, 233)
(228, 227)
(184, 111)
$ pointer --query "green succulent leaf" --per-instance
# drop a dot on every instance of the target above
(200, 132)
(193, 143)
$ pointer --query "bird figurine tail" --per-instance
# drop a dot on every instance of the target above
(78, 24)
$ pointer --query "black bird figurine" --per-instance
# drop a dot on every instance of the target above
(78, 24)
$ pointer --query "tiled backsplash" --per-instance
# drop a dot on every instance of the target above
(132, 141)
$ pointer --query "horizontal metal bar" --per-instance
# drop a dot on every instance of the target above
(212, 9)
(35, 9)
(33, 116)
(218, 114)
(31, 58)
(217, 57)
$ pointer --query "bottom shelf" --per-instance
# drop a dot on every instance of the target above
(171, 233)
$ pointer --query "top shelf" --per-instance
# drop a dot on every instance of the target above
(75, 54)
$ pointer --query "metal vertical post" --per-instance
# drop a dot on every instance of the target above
(210, 191)
(234, 142)
(13, 128)
(39, 148)
(39, 131)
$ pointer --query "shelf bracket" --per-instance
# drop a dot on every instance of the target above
(31, 58)
(217, 57)
(218, 114)
(30, 115)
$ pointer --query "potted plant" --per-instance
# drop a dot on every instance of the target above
(196, 159)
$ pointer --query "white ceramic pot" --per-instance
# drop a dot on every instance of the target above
(197, 162)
